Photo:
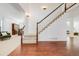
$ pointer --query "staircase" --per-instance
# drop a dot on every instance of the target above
(53, 17)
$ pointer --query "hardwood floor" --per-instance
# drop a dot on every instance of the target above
(43, 49)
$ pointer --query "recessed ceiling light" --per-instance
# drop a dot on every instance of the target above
(27, 14)
(44, 7)
(68, 23)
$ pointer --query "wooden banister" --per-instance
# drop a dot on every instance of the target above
(56, 18)
(71, 6)
(53, 19)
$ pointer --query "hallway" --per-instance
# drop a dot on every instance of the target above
(41, 23)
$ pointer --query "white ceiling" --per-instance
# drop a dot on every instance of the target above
(36, 11)
(29, 6)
